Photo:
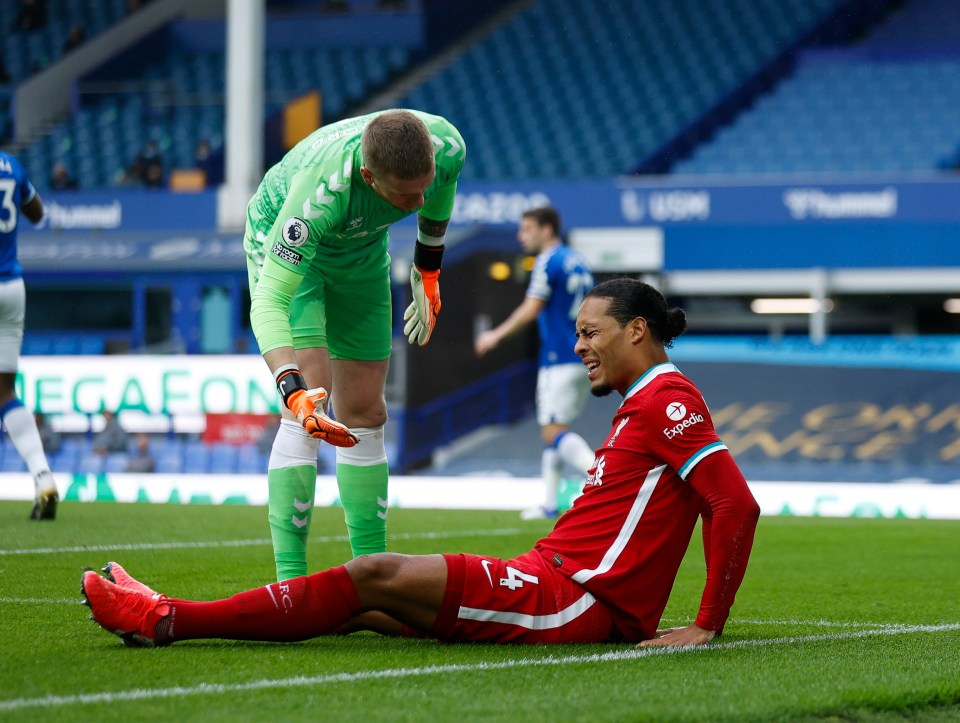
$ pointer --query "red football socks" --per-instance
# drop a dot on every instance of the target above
(297, 609)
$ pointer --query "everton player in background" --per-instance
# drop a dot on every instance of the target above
(559, 280)
(18, 196)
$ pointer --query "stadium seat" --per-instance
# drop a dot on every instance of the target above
(855, 111)
(116, 462)
(222, 458)
(90, 463)
(250, 460)
(195, 457)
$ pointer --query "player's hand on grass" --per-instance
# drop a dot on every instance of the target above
(680, 637)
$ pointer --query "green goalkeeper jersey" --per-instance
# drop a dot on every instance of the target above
(313, 207)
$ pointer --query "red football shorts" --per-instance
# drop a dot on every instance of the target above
(523, 600)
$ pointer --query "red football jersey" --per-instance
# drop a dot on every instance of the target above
(625, 536)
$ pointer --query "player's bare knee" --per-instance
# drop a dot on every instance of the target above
(375, 573)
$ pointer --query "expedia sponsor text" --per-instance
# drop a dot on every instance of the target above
(679, 428)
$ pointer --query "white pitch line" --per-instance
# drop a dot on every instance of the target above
(248, 543)
(794, 623)
(550, 660)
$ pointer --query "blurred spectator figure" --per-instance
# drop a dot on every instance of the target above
(153, 175)
(141, 460)
(134, 5)
(146, 169)
(75, 37)
(49, 437)
(113, 437)
(132, 175)
(151, 164)
(336, 7)
(4, 73)
(32, 16)
(209, 162)
(60, 178)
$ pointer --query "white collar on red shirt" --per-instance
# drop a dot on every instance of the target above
(648, 376)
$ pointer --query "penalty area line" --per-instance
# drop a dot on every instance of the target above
(139, 694)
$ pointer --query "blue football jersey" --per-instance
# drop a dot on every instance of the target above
(15, 190)
(561, 279)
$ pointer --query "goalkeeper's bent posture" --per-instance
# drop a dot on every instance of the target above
(319, 272)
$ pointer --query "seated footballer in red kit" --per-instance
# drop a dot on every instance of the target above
(603, 574)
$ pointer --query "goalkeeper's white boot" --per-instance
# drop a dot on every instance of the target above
(129, 614)
(117, 575)
(46, 499)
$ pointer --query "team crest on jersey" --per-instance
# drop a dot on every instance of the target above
(295, 232)
(595, 476)
(623, 423)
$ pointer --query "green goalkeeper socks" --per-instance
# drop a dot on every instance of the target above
(290, 511)
(363, 493)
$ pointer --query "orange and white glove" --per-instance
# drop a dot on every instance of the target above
(308, 406)
(421, 315)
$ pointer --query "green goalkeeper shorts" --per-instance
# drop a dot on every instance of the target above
(344, 305)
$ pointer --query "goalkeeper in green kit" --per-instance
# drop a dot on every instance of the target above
(316, 243)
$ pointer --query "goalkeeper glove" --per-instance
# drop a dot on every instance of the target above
(307, 405)
(421, 315)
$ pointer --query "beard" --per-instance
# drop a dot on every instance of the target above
(601, 390)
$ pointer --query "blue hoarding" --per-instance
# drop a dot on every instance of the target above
(877, 222)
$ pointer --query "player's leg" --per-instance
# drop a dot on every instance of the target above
(292, 470)
(359, 336)
(17, 419)
(549, 461)
(362, 470)
(408, 589)
(452, 597)
(565, 397)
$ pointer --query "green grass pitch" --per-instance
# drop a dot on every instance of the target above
(837, 620)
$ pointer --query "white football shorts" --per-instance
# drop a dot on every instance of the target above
(561, 393)
(13, 303)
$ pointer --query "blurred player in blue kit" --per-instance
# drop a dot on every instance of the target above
(557, 286)
(18, 195)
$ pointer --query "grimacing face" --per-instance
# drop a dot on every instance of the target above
(604, 347)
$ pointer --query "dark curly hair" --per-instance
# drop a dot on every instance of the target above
(630, 298)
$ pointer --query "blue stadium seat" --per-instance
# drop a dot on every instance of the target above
(116, 462)
(90, 463)
(195, 457)
(222, 458)
(250, 460)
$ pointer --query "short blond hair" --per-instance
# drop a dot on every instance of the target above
(398, 144)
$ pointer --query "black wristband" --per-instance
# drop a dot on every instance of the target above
(427, 258)
(289, 382)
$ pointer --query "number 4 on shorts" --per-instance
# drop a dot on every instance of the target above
(515, 578)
